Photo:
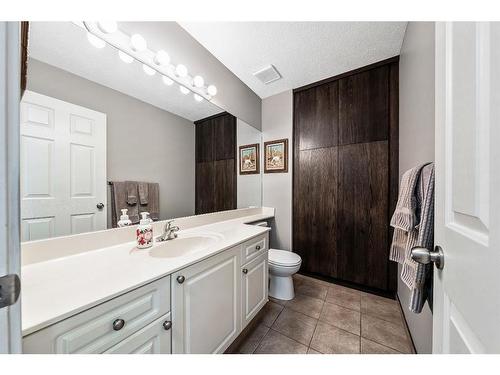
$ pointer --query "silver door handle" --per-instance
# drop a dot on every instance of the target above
(425, 256)
(100, 206)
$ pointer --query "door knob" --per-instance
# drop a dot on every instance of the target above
(425, 256)
(100, 206)
(244, 270)
(180, 279)
(167, 325)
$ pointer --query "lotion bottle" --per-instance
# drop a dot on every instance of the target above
(144, 232)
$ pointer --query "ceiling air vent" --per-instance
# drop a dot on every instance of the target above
(267, 75)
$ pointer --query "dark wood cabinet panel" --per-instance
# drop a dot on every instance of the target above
(225, 137)
(315, 201)
(205, 149)
(346, 174)
(215, 163)
(316, 116)
(363, 213)
(225, 185)
(205, 187)
(364, 106)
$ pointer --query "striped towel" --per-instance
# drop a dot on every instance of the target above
(413, 223)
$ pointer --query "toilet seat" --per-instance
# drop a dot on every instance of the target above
(283, 258)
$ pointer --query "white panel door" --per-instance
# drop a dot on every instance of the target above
(467, 290)
(206, 304)
(63, 168)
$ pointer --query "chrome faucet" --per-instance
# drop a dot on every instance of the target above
(168, 232)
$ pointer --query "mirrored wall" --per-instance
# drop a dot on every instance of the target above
(101, 131)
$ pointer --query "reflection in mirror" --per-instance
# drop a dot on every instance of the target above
(101, 133)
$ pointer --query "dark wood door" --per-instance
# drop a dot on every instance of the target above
(315, 219)
(362, 213)
(215, 164)
(345, 175)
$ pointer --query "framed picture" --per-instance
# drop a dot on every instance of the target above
(276, 156)
(249, 159)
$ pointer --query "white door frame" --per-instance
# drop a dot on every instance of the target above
(10, 317)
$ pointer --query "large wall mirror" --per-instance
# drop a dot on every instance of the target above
(101, 132)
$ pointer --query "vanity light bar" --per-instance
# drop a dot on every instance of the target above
(176, 73)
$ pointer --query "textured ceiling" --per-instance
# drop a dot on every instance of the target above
(303, 52)
(65, 45)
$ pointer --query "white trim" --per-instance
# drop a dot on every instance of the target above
(10, 317)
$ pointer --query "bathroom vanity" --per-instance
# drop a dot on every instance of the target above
(193, 294)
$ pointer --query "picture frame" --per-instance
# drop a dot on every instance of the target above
(276, 156)
(249, 159)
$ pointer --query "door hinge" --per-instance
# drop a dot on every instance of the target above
(10, 287)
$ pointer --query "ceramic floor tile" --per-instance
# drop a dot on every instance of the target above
(253, 339)
(341, 317)
(306, 305)
(276, 343)
(311, 289)
(295, 325)
(385, 333)
(371, 347)
(312, 351)
(345, 297)
(382, 308)
(278, 301)
(332, 340)
(270, 312)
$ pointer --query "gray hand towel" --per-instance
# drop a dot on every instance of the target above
(154, 200)
(143, 192)
(119, 196)
(131, 192)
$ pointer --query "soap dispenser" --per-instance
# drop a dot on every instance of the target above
(124, 219)
(144, 232)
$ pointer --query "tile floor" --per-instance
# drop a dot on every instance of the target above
(328, 318)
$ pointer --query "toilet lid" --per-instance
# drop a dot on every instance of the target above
(284, 258)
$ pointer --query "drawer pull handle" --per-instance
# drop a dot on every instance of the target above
(118, 324)
(257, 247)
(245, 271)
(167, 325)
(180, 279)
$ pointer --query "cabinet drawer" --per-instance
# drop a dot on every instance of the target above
(92, 331)
(156, 338)
(254, 247)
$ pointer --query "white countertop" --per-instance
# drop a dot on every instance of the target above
(56, 289)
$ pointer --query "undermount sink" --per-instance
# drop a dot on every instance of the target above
(184, 244)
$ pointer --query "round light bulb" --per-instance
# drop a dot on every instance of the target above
(167, 81)
(212, 90)
(181, 70)
(197, 97)
(198, 81)
(184, 90)
(95, 41)
(107, 27)
(148, 70)
(138, 43)
(125, 58)
(161, 58)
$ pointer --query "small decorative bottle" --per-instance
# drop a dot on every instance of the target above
(144, 232)
(124, 219)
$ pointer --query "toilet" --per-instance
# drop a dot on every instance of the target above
(282, 265)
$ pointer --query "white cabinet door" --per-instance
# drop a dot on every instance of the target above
(63, 168)
(254, 288)
(152, 339)
(206, 304)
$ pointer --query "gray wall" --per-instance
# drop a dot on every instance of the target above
(277, 115)
(416, 139)
(143, 142)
